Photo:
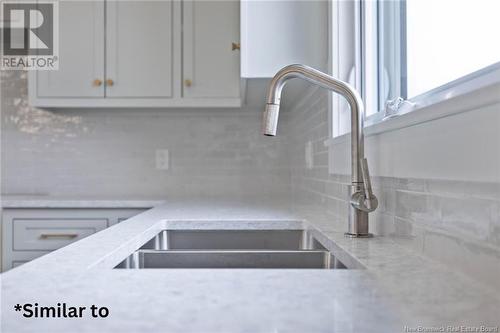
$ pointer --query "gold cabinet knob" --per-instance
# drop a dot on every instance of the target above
(235, 46)
(96, 83)
(110, 82)
(188, 82)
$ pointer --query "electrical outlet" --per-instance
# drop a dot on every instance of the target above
(162, 159)
(309, 155)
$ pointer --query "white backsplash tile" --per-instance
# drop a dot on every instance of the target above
(111, 152)
(456, 222)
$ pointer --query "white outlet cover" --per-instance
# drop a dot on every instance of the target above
(309, 158)
(162, 159)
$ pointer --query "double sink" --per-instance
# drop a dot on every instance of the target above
(291, 249)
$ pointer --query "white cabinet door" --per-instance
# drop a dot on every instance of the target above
(279, 33)
(210, 65)
(81, 53)
(139, 49)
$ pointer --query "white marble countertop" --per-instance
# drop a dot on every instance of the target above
(391, 288)
(45, 201)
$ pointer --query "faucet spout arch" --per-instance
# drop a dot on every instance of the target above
(328, 82)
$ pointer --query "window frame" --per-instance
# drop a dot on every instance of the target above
(481, 82)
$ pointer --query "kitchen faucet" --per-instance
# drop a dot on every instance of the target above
(362, 199)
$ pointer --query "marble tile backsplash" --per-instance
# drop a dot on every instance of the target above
(110, 153)
(454, 222)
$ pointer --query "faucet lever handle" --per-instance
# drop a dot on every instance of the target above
(366, 179)
(365, 200)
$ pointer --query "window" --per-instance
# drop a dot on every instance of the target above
(449, 40)
(413, 49)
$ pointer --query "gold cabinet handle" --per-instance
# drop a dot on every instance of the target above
(188, 82)
(110, 82)
(235, 46)
(49, 236)
(97, 83)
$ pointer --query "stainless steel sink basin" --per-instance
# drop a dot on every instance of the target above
(228, 240)
(231, 259)
(292, 249)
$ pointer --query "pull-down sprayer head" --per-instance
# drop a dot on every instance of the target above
(272, 110)
(270, 121)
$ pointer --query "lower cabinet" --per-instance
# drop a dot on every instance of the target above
(30, 233)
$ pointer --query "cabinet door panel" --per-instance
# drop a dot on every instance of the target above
(81, 52)
(139, 50)
(209, 62)
(279, 33)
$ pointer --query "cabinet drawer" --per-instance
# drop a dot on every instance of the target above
(18, 263)
(52, 233)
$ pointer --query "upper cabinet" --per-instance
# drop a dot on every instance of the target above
(211, 52)
(279, 33)
(176, 53)
(81, 61)
(158, 53)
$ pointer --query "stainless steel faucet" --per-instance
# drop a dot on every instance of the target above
(362, 200)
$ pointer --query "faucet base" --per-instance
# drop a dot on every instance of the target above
(368, 235)
(357, 224)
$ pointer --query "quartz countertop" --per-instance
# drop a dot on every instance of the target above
(45, 201)
(388, 287)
